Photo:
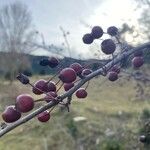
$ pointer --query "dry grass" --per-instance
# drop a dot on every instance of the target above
(109, 107)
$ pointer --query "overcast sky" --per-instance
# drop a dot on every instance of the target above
(48, 15)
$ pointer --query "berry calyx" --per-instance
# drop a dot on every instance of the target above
(10, 114)
(87, 38)
(137, 62)
(77, 68)
(81, 93)
(24, 103)
(108, 46)
(67, 75)
(23, 78)
(40, 87)
(44, 116)
(97, 32)
(68, 86)
(112, 31)
(112, 76)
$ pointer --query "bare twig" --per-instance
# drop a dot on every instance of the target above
(60, 98)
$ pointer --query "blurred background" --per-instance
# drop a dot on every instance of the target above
(113, 116)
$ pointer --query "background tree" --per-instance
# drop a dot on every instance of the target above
(15, 32)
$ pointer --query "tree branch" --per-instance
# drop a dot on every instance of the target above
(60, 98)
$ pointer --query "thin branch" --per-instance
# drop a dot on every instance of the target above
(60, 98)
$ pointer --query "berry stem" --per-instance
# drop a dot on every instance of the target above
(39, 100)
(52, 109)
(60, 87)
(55, 74)
(76, 81)
(58, 82)
(87, 85)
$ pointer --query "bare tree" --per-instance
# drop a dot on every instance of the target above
(15, 32)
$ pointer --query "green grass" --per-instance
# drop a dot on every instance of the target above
(108, 107)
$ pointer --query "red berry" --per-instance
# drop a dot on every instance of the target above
(112, 76)
(24, 103)
(50, 96)
(86, 72)
(87, 38)
(44, 116)
(40, 87)
(53, 62)
(97, 32)
(67, 75)
(137, 62)
(81, 93)
(108, 46)
(112, 31)
(11, 114)
(77, 68)
(51, 86)
(68, 86)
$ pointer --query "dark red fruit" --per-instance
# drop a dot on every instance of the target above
(112, 76)
(11, 114)
(40, 87)
(67, 75)
(112, 31)
(116, 69)
(77, 68)
(53, 62)
(108, 46)
(87, 38)
(68, 86)
(137, 62)
(24, 103)
(50, 96)
(86, 72)
(81, 93)
(51, 86)
(143, 139)
(97, 32)
(44, 116)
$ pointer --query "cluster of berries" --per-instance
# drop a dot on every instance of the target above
(108, 46)
(68, 76)
(25, 102)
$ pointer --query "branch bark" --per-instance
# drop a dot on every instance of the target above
(60, 98)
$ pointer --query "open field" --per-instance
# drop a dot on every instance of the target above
(112, 118)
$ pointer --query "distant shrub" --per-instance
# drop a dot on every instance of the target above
(111, 144)
(7, 76)
(145, 114)
(72, 128)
